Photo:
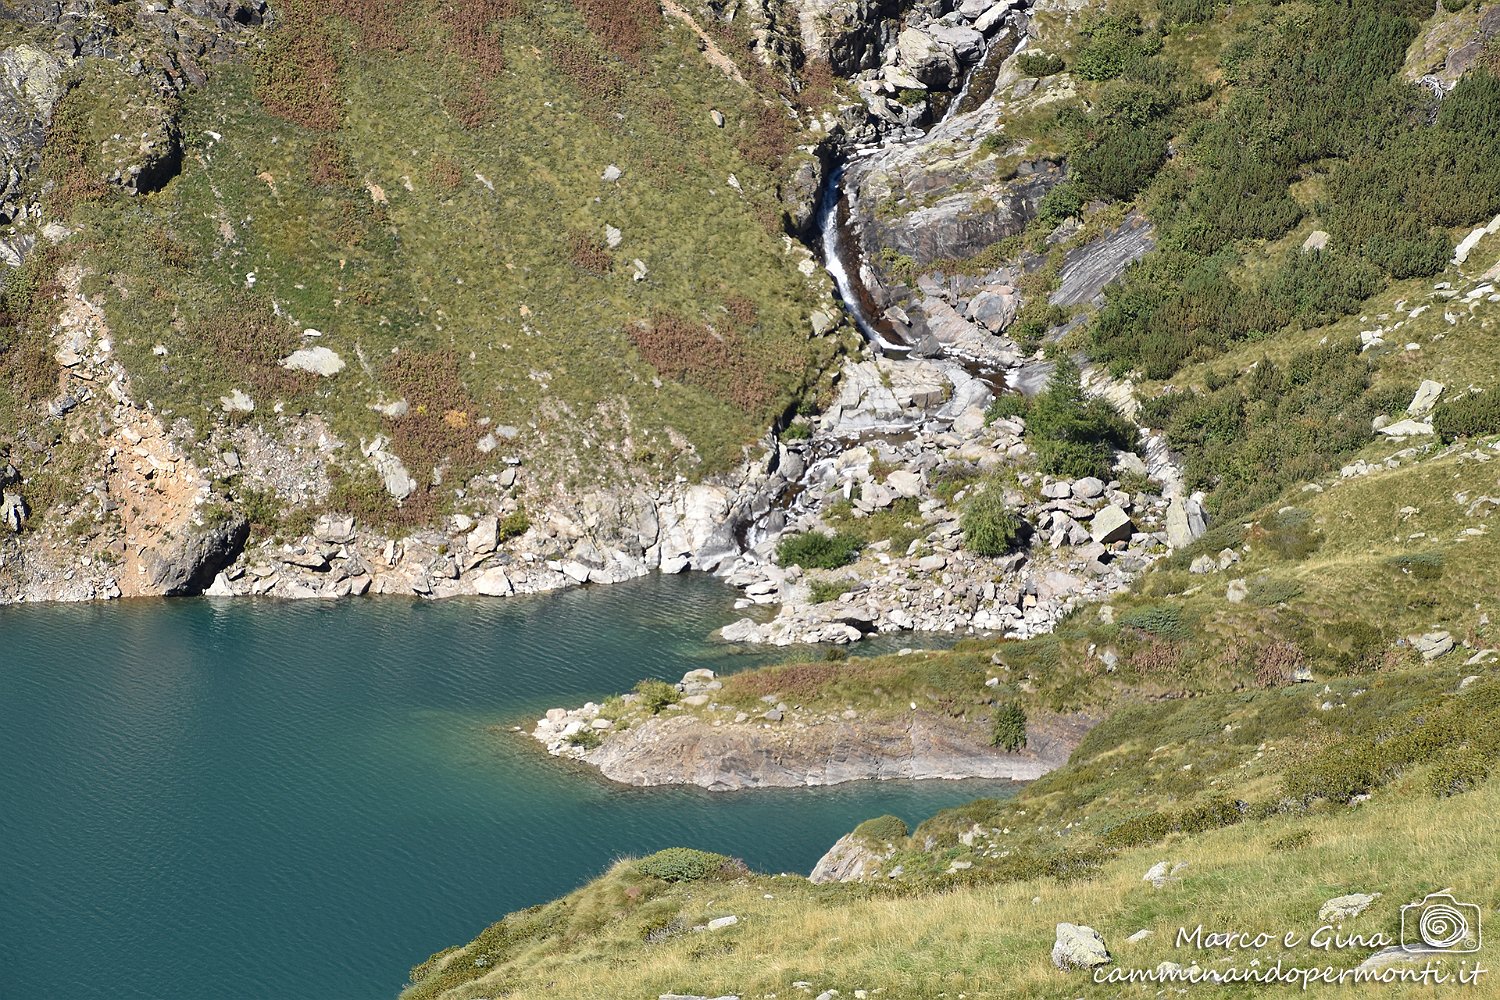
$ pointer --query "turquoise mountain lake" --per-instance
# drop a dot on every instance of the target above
(269, 801)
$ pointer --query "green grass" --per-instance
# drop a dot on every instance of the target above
(467, 261)
(986, 930)
(901, 523)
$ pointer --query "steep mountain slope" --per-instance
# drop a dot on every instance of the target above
(441, 242)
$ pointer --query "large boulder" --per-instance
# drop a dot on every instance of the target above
(13, 511)
(1111, 525)
(930, 61)
(1185, 522)
(849, 34)
(994, 308)
(1342, 908)
(1078, 947)
(966, 44)
(318, 361)
(391, 470)
(31, 82)
(1426, 398)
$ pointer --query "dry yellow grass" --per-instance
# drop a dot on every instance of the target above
(994, 941)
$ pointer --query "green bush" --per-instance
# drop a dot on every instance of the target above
(1294, 841)
(1337, 773)
(817, 550)
(990, 527)
(514, 525)
(1468, 415)
(1210, 815)
(1290, 533)
(657, 695)
(586, 739)
(1113, 44)
(824, 591)
(1138, 831)
(1189, 11)
(1039, 64)
(1457, 770)
(1267, 591)
(799, 431)
(1272, 427)
(1074, 436)
(1115, 160)
(1418, 565)
(1006, 405)
(683, 864)
(1063, 202)
(1355, 646)
(1164, 620)
(1009, 727)
(882, 830)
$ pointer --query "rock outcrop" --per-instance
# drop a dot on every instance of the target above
(188, 563)
(850, 859)
(685, 750)
(697, 741)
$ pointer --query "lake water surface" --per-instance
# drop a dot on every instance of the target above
(271, 801)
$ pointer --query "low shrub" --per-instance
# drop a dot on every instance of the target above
(817, 550)
(1039, 64)
(1210, 815)
(1010, 404)
(657, 695)
(721, 362)
(1164, 620)
(1355, 646)
(824, 591)
(683, 864)
(1267, 591)
(1009, 727)
(990, 528)
(1063, 202)
(1457, 770)
(1294, 841)
(1469, 415)
(514, 525)
(1024, 866)
(586, 739)
(1337, 773)
(1138, 831)
(882, 830)
(1419, 565)
(1277, 663)
(799, 431)
(1290, 533)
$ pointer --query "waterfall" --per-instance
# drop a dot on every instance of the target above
(837, 258)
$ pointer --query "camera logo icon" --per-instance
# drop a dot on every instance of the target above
(1440, 923)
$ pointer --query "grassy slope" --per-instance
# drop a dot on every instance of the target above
(472, 262)
(962, 934)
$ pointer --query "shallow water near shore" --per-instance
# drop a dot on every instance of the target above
(270, 800)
